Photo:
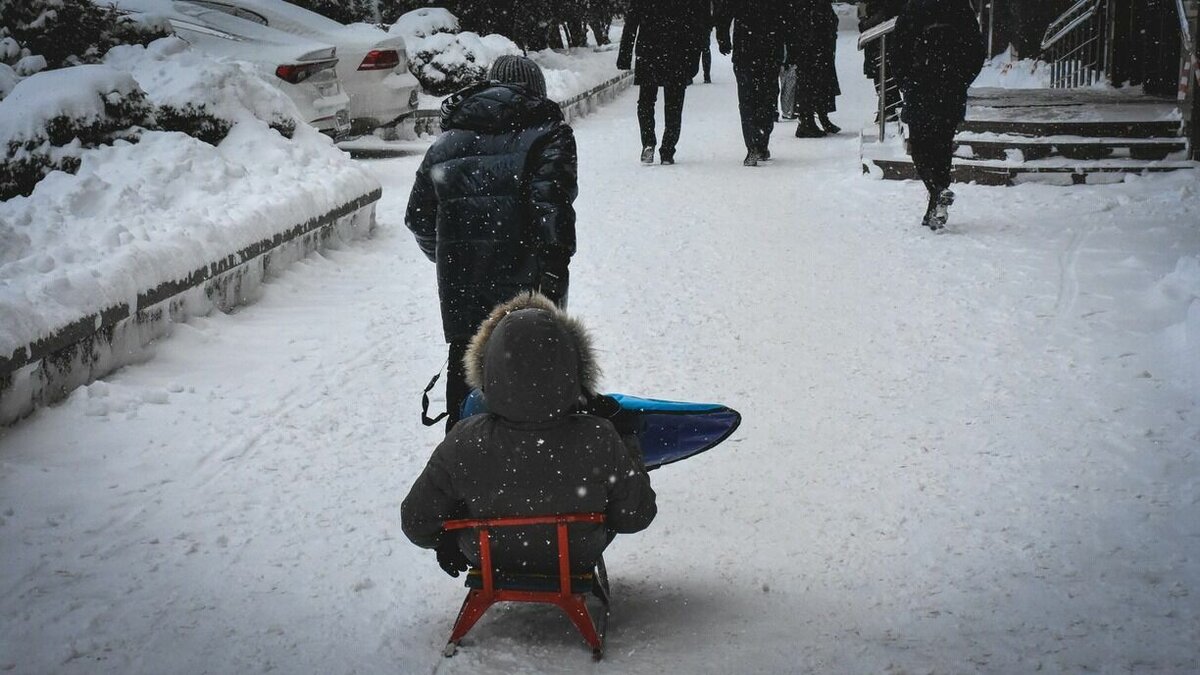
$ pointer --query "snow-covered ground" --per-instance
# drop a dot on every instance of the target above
(974, 452)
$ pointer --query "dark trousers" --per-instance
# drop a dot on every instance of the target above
(931, 144)
(456, 383)
(706, 62)
(758, 90)
(672, 112)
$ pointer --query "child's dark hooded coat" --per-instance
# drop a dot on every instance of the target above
(530, 455)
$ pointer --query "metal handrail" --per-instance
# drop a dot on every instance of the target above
(1048, 42)
(875, 32)
(1185, 32)
(879, 33)
(1053, 33)
(1076, 44)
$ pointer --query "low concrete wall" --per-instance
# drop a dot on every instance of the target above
(429, 121)
(48, 369)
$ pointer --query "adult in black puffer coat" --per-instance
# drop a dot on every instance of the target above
(530, 455)
(938, 51)
(815, 55)
(668, 37)
(491, 204)
(760, 30)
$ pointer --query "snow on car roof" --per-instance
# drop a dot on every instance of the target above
(300, 21)
(227, 35)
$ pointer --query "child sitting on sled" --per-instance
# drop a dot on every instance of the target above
(532, 454)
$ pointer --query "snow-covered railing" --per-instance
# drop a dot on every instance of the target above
(886, 85)
(1076, 45)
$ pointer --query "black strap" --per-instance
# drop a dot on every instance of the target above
(425, 400)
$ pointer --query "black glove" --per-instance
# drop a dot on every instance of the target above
(624, 421)
(451, 558)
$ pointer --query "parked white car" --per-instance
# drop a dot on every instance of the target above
(372, 65)
(305, 69)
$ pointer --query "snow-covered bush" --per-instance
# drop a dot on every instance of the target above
(48, 120)
(69, 32)
(200, 96)
(443, 59)
(422, 23)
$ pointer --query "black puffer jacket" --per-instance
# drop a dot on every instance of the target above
(760, 29)
(491, 203)
(530, 455)
(937, 52)
(667, 36)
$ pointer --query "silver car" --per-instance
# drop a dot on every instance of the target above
(372, 65)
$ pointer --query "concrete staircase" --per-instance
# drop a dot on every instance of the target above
(1055, 136)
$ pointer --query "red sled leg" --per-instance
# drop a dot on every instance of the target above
(473, 608)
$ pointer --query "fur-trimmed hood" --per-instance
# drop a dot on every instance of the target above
(531, 361)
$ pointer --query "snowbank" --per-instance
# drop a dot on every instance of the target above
(136, 215)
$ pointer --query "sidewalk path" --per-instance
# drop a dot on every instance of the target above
(973, 452)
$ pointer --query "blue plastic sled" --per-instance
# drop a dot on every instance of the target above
(667, 431)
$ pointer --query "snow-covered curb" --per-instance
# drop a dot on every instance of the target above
(47, 369)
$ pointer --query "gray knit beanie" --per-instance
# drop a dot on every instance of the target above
(518, 70)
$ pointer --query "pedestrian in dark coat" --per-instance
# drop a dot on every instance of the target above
(492, 204)
(938, 52)
(531, 454)
(667, 37)
(815, 57)
(760, 29)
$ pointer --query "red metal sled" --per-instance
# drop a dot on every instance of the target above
(567, 591)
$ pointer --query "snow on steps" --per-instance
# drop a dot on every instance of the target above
(46, 370)
(1062, 137)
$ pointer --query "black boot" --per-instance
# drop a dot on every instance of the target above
(826, 125)
(807, 128)
(751, 158)
(648, 154)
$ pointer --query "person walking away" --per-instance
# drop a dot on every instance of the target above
(939, 51)
(706, 51)
(817, 85)
(667, 36)
(531, 454)
(759, 29)
(492, 204)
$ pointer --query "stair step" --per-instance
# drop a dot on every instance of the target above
(1055, 171)
(1097, 129)
(974, 145)
(1146, 119)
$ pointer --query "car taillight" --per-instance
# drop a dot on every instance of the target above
(299, 72)
(380, 59)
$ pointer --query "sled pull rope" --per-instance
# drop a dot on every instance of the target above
(425, 399)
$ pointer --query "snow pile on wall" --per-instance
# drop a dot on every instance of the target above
(136, 215)
(1006, 71)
